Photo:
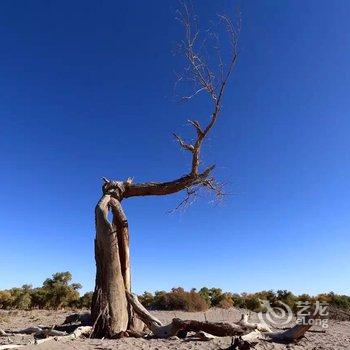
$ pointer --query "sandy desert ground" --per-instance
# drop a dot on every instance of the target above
(337, 335)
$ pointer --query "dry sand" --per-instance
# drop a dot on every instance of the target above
(337, 335)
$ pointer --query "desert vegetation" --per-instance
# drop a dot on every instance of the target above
(205, 298)
(59, 292)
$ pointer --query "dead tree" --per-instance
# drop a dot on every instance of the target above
(112, 313)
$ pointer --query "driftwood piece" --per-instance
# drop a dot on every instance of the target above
(84, 319)
(142, 312)
(288, 336)
(240, 344)
(202, 336)
(252, 337)
(29, 330)
(316, 330)
(68, 328)
(160, 331)
(44, 335)
(291, 335)
(259, 326)
(49, 333)
(216, 329)
(79, 332)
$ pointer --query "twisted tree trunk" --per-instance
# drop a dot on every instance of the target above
(111, 313)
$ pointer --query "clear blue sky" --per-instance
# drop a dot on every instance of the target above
(86, 91)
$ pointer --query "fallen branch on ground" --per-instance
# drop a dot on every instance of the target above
(291, 335)
(49, 333)
(259, 326)
(161, 331)
(79, 332)
(45, 335)
(216, 329)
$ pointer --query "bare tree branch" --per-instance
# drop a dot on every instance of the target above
(204, 78)
(163, 188)
(183, 144)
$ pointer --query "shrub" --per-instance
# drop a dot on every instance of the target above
(287, 298)
(307, 297)
(147, 300)
(56, 292)
(59, 293)
(179, 299)
(339, 301)
(39, 298)
(196, 302)
(174, 300)
(215, 296)
(205, 294)
(238, 300)
(5, 299)
(21, 297)
(160, 301)
(252, 302)
(226, 301)
(85, 301)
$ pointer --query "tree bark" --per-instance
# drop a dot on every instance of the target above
(110, 310)
(165, 188)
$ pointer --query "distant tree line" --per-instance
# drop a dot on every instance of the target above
(179, 299)
(58, 292)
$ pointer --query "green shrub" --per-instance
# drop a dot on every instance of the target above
(179, 299)
(238, 300)
(339, 301)
(85, 301)
(59, 293)
(215, 297)
(252, 302)
(21, 297)
(287, 298)
(205, 294)
(5, 299)
(55, 293)
(147, 300)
